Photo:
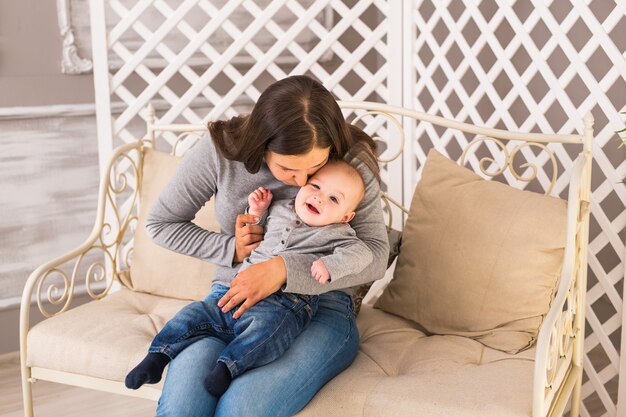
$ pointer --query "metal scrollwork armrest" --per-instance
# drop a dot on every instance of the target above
(559, 341)
(113, 220)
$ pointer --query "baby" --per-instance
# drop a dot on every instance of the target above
(316, 222)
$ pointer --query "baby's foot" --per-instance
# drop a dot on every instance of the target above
(149, 370)
(218, 380)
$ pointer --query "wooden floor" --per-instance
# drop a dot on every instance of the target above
(56, 400)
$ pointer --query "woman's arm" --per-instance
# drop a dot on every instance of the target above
(169, 221)
(370, 228)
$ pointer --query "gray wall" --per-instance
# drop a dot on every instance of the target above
(49, 169)
(30, 58)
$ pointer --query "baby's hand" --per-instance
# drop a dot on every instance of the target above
(319, 272)
(259, 200)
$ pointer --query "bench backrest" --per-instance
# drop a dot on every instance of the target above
(523, 160)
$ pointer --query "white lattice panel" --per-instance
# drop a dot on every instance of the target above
(200, 60)
(539, 66)
(219, 55)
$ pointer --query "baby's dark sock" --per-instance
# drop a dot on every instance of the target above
(218, 380)
(149, 370)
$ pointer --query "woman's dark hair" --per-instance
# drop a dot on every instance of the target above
(291, 117)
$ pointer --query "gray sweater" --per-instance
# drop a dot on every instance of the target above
(335, 244)
(205, 173)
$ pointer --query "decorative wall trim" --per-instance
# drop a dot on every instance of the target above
(89, 109)
(11, 303)
(71, 62)
(62, 110)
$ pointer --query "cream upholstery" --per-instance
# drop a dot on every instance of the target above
(104, 338)
(398, 372)
(401, 372)
(156, 270)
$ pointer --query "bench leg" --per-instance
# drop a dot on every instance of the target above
(575, 409)
(27, 392)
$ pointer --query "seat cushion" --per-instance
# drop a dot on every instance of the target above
(399, 371)
(104, 338)
(478, 258)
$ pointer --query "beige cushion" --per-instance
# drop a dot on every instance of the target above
(156, 270)
(104, 338)
(478, 258)
(401, 372)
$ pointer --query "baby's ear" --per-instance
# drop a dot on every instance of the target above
(348, 217)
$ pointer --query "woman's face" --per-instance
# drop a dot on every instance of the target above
(296, 169)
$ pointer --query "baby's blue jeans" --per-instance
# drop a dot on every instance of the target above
(261, 335)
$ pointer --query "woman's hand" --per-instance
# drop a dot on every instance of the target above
(247, 236)
(254, 284)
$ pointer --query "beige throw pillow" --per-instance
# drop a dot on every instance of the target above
(157, 270)
(478, 258)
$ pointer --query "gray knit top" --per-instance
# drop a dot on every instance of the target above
(204, 173)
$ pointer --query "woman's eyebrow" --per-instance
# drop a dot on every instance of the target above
(321, 163)
(314, 166)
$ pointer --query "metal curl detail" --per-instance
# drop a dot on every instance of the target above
(533, 166)
(122, 219)
(551, 365)
(567, 324)
(108, 242)
(181, 138)
(509, 158)
(561, 341)
(487, 159)
(120, 177)
(54, 299)
(107, 229)
(89, 275)
(99, 276)
(398, 125)
(65, 298)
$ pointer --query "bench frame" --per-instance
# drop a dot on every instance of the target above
(560, 344)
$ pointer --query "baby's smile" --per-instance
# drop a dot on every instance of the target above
(312, 208)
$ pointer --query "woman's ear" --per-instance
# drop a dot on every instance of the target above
(348, 217)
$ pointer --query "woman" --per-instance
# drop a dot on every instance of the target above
(294, 129)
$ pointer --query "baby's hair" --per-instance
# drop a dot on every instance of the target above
(353, 173)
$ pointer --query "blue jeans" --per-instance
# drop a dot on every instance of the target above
(282, 388)
(257, 338)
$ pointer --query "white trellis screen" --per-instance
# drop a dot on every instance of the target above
(523, 65)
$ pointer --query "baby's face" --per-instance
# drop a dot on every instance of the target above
(330, 196)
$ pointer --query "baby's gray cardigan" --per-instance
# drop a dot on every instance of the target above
(205, 173)
(336, 244)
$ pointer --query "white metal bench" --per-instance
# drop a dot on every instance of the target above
(558, 354)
